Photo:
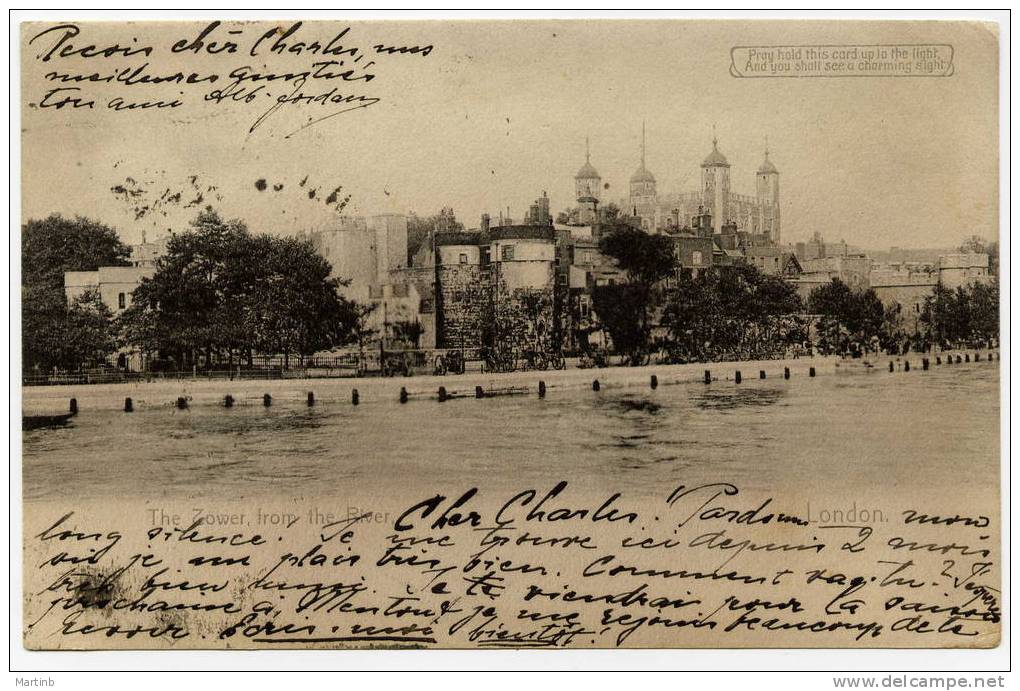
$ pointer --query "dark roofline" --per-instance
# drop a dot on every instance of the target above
(515, 232)
(523, 232)
(460, 237)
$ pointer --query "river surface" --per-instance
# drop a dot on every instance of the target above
(851, 433)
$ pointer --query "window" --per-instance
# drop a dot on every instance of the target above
(508, 253)
(121, 300)
(588, 259)
(696, 258)
(463, 257)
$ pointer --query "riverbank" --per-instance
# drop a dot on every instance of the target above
(51, 400)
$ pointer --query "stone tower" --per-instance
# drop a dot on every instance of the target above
(767, 187)
(715, 186)
(587, 187)
(642, 190)
(587, 182)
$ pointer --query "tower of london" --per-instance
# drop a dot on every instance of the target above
(757, 214)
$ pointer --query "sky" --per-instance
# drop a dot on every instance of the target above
(496, 113)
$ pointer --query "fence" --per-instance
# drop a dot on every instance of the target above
(332, 366)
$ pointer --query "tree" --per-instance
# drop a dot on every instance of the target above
(984, 304)
(624, 310)
(967, 314)
(56, 244)
(198, 294)
(646, 258)
(91, 338)
(294, 304)
(49, 248)
(568, 216)
(848, 315)
(420, 230)
(735, 312)
(409, 332)
(619, 308)
(221, 291)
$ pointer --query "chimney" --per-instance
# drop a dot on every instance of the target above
(485, 223)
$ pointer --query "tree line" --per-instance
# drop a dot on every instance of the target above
(219, 296)
(57, 334)
(738, 312)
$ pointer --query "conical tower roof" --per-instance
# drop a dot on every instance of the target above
(587, 170)
(767, 166)
(715, 158)
(642, 174)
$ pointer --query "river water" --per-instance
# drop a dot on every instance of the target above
(852, 433)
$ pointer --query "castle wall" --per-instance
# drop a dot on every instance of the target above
(462, 304)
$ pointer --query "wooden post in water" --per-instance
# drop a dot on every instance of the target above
(182, 403)
(479, 392)
(966, 357)
(403, 395)
(73, 406)
(708, 377)
(906, 365)
(311, 399)
(786, 373)
(811, 372)
(595, 385)
(892, 367)
(654, 382)
(129, 405)
(541, 389)
(736, 378)
(267, 400)
(761, 374)
(924, 364)
(355, 398)
(938, 359)
(228, 401)
(442, 394)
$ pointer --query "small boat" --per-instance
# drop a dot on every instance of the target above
(30, 422)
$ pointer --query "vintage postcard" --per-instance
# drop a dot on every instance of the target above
(525, 333)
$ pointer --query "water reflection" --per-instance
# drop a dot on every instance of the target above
(719, 398)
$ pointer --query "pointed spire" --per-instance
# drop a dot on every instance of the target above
(767, 166)
(642, 174)
(642, 143)
(715, 158)
(587, 170)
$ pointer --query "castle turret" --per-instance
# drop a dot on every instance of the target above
(767, 188)
(642, 191)
(587, 182)
(715, 185)
(587, 186)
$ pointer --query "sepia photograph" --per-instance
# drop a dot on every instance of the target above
(508, 334)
